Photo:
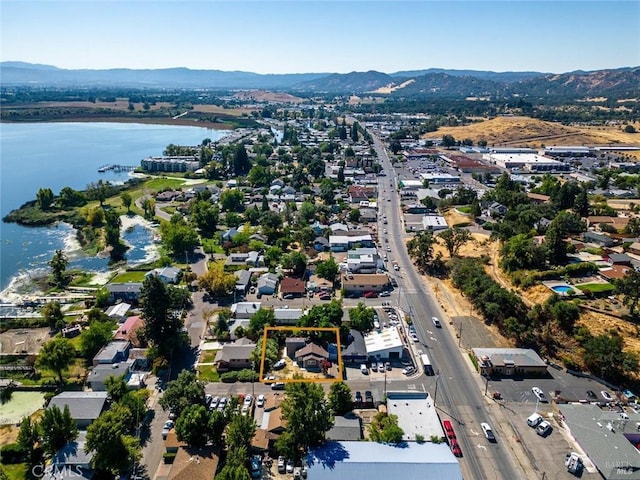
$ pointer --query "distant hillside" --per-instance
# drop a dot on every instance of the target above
(18, 73)
(354, 82)
(504, 77)
(613, 84)
(618, 83)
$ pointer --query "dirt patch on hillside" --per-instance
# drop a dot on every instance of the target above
(531, 132)
(599, 323)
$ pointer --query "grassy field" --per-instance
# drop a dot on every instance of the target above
(531, 132)
(19, 471)
(208, 373)
(131, 276)
(596, 287)
(208, 356)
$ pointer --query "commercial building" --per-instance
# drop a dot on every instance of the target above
(385, 344)
(170, 164)
(379, 461)
(359, 283)
(607, 437)
(509, 362)
(433, 223)
(531, 162)
(416, 414)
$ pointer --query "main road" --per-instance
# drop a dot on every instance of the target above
(456, 390)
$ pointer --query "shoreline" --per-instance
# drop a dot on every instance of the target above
(176, 122)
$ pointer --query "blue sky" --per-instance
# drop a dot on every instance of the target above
(323, 36)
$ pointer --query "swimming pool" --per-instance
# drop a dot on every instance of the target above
(562, 288)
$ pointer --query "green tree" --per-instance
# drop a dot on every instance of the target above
(354, 215)
(340, 399)
(296, 261)
(308, 418)
(448, 141)
(184, 391)
(384, 429)
(240, 432)
(629, 286)
(306, 212)
(273, 255)
(126, 200)
(56, 355)
(604, 356)
(329, 269)
(44, 198)
(52, 312)
(95, 337)
(581, 203)
(361, 318)
(566, 314)
(262, 318)
(204, 216)
(28, 438)
(420, 249)
(177, 236)
(454, 238)
(71, 198)
(58, 264)
(114, 449)
(216, 282)
(232, 201)
(192, 426)
(233, 472)
(241, 164)
(117, 387)
(57, 428)
(162, 326)
(326, 191)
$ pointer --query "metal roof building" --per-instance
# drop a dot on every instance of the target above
(385, 344)
(606, 438)
(378, 461)
(416, 414)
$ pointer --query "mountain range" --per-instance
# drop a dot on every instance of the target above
(434, 82)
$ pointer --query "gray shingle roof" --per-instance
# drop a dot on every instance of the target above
(82, 405)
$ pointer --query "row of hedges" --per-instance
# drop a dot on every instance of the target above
(246, 375)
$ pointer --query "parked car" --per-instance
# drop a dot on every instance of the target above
(374, 367)
(280, 364)
(325, 296)
(248, 400)
(606, 395)
(168, 425)
(256, 466)
(381, 367)
(448, 428)
(488, 433)
(414, 337)
(368, 397)
(370, 294)
(281, 464)
(268, 380)
(388, 248)
(539, 394)
(290, 466)
(455, 448)
(244, 411)
(358, 398)
(277, 386)
(222, 403)
(544, 429)
(214, 403)
(534, 420)
(408, 370)
(260, 401)
(385, 294)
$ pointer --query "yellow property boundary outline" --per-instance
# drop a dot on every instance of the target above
(297, 330)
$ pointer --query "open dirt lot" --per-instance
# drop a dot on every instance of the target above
(23, 340)
(531, 132)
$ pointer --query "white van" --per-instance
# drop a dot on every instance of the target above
(364, 369)
(534, 420)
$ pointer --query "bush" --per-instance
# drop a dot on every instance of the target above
(247, 375)
(169, 457)
(229, 377)
(13, 453)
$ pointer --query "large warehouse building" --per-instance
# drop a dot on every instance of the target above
(531, 162)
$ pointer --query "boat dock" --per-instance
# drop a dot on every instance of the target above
(117, 168)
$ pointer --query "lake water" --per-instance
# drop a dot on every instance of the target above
(57, 155)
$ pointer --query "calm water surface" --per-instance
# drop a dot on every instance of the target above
(57, 155)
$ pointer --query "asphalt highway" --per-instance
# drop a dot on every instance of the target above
(456, 386)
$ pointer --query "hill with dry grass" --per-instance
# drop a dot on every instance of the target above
(530, 132)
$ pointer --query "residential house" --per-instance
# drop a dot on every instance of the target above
(497, 209)
(287, 316)
(113, 352)
(317, 284)
(319, 228)
(98, 375)
(288, 190)
(358, 193)
(229, 235)
(118, 312)
(311, 357)
(634, 248)
(355, 351)
(277, 424)
(166, 274)
(615, 272)
(84, 407)
(267, 284)
(617, 223)
(244, 310)
(292, 286)
(338, 228)
(128, 331)
(243, 281)
(342, 243)
(599, 239)
(234, 357)
(124, 292)
(72, 458)
(618, 259)
(236, 259)
(321, 244)
(539, 198)
(293, 344)
(192, 463)
(368, 215)
(360, 283)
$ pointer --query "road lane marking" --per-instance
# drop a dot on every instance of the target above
(481, 446)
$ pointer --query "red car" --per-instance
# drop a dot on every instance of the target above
(370, 294)
(448, 428)
(455, 448)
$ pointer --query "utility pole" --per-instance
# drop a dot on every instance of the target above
(486, 386)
